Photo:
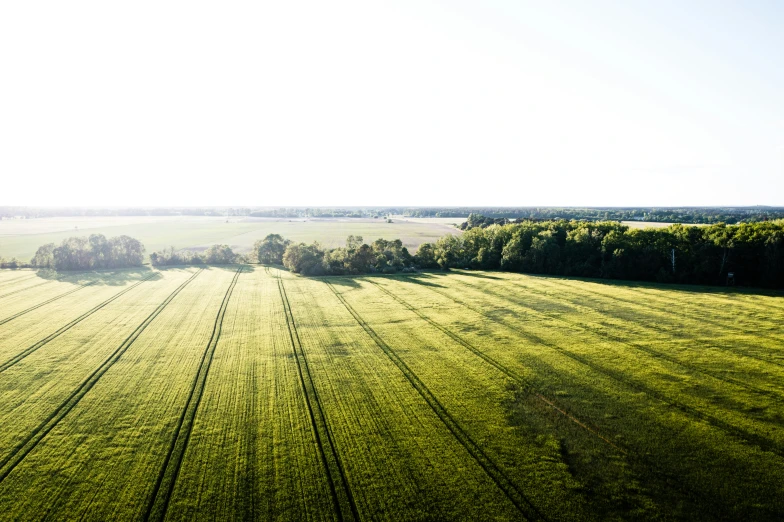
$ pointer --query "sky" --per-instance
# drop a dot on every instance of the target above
(405, 102)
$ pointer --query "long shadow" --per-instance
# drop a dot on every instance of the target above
(422, 279)
(123, 276)
(482, 274)
(625, 283)
(118, 277)
(352, 281)
(343, 281)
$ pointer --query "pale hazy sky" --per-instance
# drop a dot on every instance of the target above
(406, 102)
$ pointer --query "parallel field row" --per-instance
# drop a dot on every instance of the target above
(254, 394)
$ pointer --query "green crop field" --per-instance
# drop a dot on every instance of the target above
(21, 238)
(246, 392)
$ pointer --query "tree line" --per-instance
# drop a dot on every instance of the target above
(750, 254)
(214, 255)
(701, 215)
(381, 256)
(87, 253)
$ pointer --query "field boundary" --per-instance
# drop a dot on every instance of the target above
(504, 483)
(500, 367)
(21, 450)
(164, 486)
(13, 360)
(39, 305)
(25, 289)
(342, 497)
(740, 434)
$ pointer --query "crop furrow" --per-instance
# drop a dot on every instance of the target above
(39, 305)
(25, 289)
(21, 450)
(164, 487)
(49, 338)
(739, 433)
(342, 497)
(501, 367)
(521, 502)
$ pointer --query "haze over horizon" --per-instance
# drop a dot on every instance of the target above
(427, 103)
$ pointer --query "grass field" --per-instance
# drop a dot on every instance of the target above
(246, 393)
(20, 238)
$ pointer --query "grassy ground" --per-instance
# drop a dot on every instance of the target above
(250, 393)
(21, 238)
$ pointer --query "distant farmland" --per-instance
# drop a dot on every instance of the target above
(21, 238)
(249, 393)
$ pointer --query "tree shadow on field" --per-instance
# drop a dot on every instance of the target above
(227, 268)
(341, 281)
(248, 269)
(482, 275)
(684, 290)
(117, 277)
(419, 279)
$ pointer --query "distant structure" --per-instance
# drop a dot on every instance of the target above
(730, 278)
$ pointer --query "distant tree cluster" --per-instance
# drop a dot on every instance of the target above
(701, 215)
(704, 215)
(12, 263)
(214, 255)
(752, 252)
(382, 256)
(47, 212)
(480, 221)
(299, 212)
(87, 253)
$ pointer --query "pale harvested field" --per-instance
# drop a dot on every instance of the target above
(21, 238)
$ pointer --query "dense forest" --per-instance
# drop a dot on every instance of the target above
(87, 253)
(703, 215)
(749, 254)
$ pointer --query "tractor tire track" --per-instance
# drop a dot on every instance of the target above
(21, 450)
(12, 361)
(39, 305)
(343, 499)
(740, 434)
(502, 368)
(520, 501)
(167, 479)
(25, 289)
